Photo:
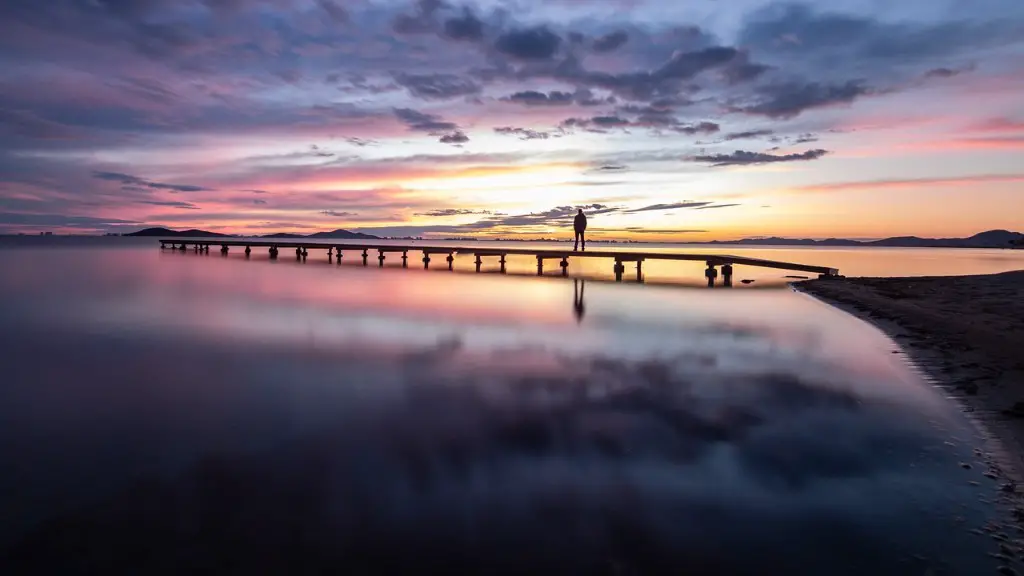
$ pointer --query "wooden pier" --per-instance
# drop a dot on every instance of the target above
(335, 250)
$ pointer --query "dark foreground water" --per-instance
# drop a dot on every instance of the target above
(179, 413)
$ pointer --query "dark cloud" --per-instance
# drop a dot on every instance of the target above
(129, 180)
(258, 202)
(454, 138)
(610, 42)
(523, 133)
(820, 37)
(713, 206)
(171, 204)
(423, 20)
(742, 158)
(465, 27)
(538, 43)
(335, 11)
(534, 98)
(686, 65)
(421, 122)
(657, 121)
(361, 142)
(944, 72)
(790, 99)
(437, 86)
(748, 135)
(558, 216)
(611, 168)
(337, 214)
(804, 139)
(452, 212)
(673, 206)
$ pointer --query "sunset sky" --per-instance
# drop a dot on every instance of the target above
(665, 120)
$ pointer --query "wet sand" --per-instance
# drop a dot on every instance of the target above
(965, 332)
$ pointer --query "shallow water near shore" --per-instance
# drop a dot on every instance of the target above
(200, 413)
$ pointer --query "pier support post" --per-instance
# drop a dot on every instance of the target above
(224, 250)
(195, 248)
(163, 246)
(298, 253)
(540, 266)
(640, 271)
(727, 275)
(565, 265)
(711, 274)
(183, 247)
(619, 269)
(273, 252)
(305, 253)
(206, 249)
(405, 259)
(248, 251)
(479, 262)
(426, 260)
(380, 258)
(451, 261)
(338, 255)
(365, 256)
(502, 263)
(330, 254)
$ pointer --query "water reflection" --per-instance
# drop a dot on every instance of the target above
(577, 301)
(223, 415)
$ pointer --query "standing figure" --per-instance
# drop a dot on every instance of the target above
(579, 224)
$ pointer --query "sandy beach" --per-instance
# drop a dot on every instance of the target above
(965, 332)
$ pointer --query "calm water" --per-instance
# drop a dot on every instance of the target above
(193, 413)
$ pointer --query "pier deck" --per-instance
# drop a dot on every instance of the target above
(713, 261)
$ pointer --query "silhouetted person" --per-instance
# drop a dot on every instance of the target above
(577, 299)
(579, 224)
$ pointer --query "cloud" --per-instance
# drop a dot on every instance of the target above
(790, 99)
(946, 72)
(713, 206)
(651, 121)
(454, 138)
(422, 21)
(437, 86)
(465, 27)
(452, 212)
(336, 12)
(129, 180)
(901, 183)
(742, 158)
(534, 98)
(171, 204)
(538, 43)
(337, 214)
(673, 206)
(522, 133)
(748, 135)
(361, 142)
(420, 122)
(610, 42)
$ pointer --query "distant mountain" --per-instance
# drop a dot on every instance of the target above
(990, 239)
(282, 235)
(168, 233)
(345, 234)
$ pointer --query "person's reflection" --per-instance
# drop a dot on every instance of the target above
(577, 300)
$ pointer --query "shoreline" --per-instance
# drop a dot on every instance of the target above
(964, 335)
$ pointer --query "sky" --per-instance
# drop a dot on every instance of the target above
(664, 121)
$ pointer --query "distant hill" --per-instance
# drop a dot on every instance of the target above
(344, 234)
(990, 239)
(282, 235)
(168, 233)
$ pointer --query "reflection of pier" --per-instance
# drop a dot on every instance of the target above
(620, 258)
